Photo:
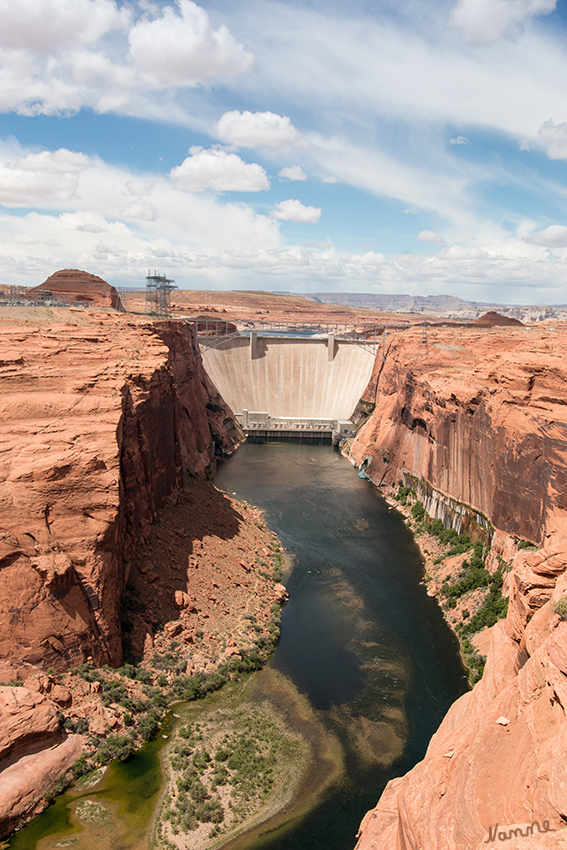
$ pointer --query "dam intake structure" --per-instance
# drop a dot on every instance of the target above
(291, 380)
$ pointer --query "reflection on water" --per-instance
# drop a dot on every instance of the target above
(365, 668)
(360, 637)
(116, 813)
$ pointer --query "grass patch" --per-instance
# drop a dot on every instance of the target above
(226, 768)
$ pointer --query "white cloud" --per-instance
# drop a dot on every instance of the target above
(293, 172)
(460, 252)
(554, 236)
(370, 70)
(411, 212)
(183, 49)
(139, 188)
(84, 222)
(35, 178)
(554, 138)
(219, 171)
(203, 242)
(329, 179)
(44, 25)
(485, 21)
(188, 232)
(430, 236)
(139, 209)
(293, 210)
(256, 129)
(58, 57)
(439, 187)
(369, 259)
(459, 140)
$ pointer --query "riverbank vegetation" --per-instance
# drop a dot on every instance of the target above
(201, 608)
(229, 765)
(470, 596)
(136, 698)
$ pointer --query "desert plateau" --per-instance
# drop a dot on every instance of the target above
(129, 582)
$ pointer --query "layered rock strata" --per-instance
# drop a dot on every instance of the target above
(478, 422)
(480, 418)
(99, 428)
(74, 285)
(102, 424)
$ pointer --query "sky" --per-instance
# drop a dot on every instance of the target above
(385, 146)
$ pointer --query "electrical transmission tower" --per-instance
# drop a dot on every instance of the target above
(158, 295)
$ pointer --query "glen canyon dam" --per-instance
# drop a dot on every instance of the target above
(279, 574)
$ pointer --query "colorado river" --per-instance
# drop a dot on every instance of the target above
(360, 637)
(361, 644)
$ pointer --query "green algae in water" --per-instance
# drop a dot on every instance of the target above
(55, 820)
(361, 642)
(129, 793)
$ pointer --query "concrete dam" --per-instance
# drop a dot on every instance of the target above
(291, 384)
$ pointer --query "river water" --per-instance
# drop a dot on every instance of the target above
(360, 640)
(360, 637)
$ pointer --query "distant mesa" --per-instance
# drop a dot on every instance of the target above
(75, 285)
(491, 319)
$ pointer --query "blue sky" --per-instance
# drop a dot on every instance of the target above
(415, 146)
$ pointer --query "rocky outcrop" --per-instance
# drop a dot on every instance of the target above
(33, 753)
(493, 319)
(74, 285)
(27, 719)
(478, 416)
(478, 422)
(100, 425)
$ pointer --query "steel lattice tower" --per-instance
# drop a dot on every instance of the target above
(158, 295)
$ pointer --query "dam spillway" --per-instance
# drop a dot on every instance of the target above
(286, 383)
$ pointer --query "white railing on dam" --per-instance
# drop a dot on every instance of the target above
(291, 377)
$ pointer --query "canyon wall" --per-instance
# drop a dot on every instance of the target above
(100, 422)
(477, 422)
(478, 416)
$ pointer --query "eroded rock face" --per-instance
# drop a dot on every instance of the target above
(479, 415)
(483, 419)
(26, 719)
(99, 426)
(75, 285)
(33, 752)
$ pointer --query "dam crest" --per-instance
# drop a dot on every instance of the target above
(294, 380)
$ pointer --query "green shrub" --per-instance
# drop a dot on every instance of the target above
(472, 575)
(473, 661)
(418, 511)
(560, 607)
(404, 493)
(81, 767)
(115, 747)
(448, 537)
(494, 607)
(524, 544)
(148, 725)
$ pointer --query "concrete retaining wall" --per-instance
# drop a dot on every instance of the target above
(286, 376)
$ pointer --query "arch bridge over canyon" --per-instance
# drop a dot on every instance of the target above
(290, 379)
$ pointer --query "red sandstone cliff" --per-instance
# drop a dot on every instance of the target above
(480, 420)
(479, 415)
(100, 424)
(102, 421)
